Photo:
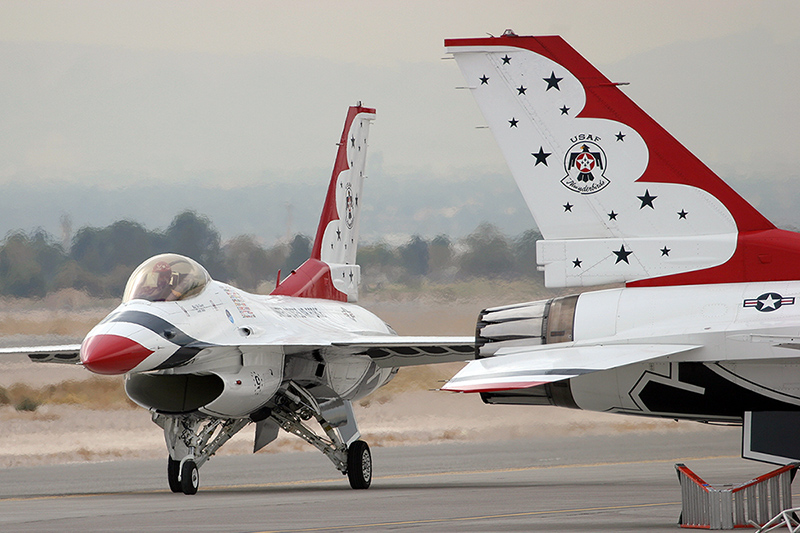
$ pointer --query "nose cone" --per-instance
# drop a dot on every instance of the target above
(112, 354)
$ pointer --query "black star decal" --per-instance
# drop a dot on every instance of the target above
(567, 207)
(506, 59)
(665, 251)
(622, 255)
(541, 156)
(565, 110)
(552, 81)
(513, 122)
(620, 136)
(682, 214)
(576, 263)
(647, 200)
(521, 90)
(612, 215)
(484, 80)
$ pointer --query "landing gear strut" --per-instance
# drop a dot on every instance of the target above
(193, 439)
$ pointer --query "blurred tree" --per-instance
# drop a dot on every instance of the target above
(299, 251)
(375, 258)
(525, 253)
(440, 254)
(194, 236)
(21, 273)
(414, 256)
(247, 263)
(124, 242)
(488, 253)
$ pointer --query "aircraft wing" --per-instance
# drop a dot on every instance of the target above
(520, 368)
(393, 351)
(62, 353)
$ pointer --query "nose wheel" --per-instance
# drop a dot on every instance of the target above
(185, 479)
(173, 474)
(359, 465)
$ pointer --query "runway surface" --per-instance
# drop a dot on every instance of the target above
(624, 482)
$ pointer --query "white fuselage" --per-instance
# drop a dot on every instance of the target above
(252, 343)
(722, 319)
(745, 358)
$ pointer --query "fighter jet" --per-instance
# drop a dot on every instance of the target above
(706, 325)
(207, 359)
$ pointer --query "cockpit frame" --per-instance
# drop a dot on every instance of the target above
(166, 278)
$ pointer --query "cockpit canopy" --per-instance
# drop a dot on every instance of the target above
(166, 278)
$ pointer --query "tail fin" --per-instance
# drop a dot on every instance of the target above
(615, 196)
(331, 272)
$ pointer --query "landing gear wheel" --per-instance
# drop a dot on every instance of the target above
(173, 468)
(359, 465)
(190, 477)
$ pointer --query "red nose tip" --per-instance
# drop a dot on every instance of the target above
(112, 354)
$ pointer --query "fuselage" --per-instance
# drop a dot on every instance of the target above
(745, 358)
(248, 343)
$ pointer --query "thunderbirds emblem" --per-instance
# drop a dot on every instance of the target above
(585, 164)
(349, 215)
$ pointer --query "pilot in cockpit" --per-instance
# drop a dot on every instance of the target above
(164, 287)
(166, 278)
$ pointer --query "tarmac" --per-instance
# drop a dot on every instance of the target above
(615, 482)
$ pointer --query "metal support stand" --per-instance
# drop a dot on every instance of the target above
(749, 504)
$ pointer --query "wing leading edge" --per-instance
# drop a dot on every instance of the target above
(526, 367)
(390, 352)
(62, 353)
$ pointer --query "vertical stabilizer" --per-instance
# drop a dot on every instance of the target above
(331, 272)
(616, 197)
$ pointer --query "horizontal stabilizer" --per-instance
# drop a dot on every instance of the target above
(779, 341)
(391, 351)
(520, 368)
(62, 353)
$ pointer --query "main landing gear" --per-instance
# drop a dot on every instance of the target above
(193, 439)
(359, 465)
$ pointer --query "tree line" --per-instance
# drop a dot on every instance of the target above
(99, 261)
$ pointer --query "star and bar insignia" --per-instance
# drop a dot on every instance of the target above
(769, 301)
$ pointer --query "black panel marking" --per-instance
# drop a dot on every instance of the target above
(720, 397)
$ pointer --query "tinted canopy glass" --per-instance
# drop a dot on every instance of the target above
(165, 278)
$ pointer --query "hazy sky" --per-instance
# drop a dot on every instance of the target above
(233, 92)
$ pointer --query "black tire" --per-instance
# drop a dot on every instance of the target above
(190, 477)
(173, 468)
(359, 465)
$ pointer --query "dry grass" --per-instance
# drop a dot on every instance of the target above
(93, 393)
(490, 292)
(66, 313)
